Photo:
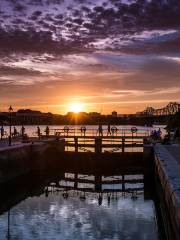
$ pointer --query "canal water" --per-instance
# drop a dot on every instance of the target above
(80, 207)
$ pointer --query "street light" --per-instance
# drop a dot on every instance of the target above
(8, 229)
(10, 124)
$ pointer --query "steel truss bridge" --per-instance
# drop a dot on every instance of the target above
(171, 109)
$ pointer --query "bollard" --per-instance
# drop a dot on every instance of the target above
(98, 145)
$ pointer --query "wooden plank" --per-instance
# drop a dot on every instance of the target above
(105, 145)
(103, 137)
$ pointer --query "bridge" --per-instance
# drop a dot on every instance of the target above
(171, 109)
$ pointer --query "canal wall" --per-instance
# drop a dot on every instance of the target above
(167, 173)
(24, 158)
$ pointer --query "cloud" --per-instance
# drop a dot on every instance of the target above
(110, 51)
(154, 73)
(63, 26)
(17, 71)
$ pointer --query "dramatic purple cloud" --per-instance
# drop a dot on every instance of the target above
(114, 53)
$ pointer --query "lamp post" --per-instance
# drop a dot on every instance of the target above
(10, 124)
(8, 230)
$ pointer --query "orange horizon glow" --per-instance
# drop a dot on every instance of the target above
(75, 107)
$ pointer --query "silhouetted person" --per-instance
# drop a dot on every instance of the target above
(47, 131)
(15, 132)
(22, 131)
(109, 130)
(39, 132)
(2, 132)
(66, 129)
(100, 130)
(159, 133)
(114, 130)
(83, 130)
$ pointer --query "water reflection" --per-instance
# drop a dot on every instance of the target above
(98, 184)
(77, 206)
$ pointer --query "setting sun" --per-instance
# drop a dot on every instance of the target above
(76, 107)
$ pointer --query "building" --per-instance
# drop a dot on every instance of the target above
(114, 114)
(27, 116)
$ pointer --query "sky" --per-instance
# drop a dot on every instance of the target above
(106, 55)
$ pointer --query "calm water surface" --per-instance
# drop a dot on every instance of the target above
(53, 217)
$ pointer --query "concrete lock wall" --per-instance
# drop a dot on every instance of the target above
(168, 172)
(22, 159)
(14, 162)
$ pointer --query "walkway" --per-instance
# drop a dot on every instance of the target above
(174, 150)
(167, 161)
(5, 143)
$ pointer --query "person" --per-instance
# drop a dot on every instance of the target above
(154, 134)
(66, 129)
(109, 130)
(177, 133)
(159, 133)
(39, 132)
(114, 130)
(100, 130)
(15, 132)
(23, 130)
(47, 131)
(83, 130)
(2, 132)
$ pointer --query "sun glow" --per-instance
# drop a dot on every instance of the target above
(76, 107)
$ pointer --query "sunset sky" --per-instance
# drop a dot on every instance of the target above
(105, 54)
